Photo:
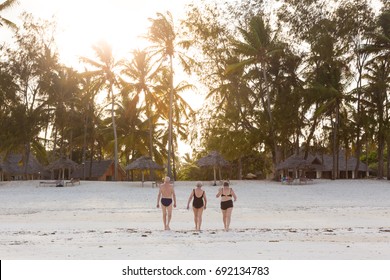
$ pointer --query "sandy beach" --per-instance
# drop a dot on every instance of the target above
(323, 220)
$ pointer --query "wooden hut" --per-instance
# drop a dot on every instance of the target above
(102, 170)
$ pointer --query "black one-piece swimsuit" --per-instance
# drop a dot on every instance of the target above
(198, 201)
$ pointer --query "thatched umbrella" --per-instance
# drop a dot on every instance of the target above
(215, 160)
(143, 163)
(62, 164)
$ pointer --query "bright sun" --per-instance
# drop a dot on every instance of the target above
(120, 23)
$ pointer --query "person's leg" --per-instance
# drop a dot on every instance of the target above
(200, 213)
(164, 213)
(228, 217)
(224, 218)
(169, 209)
(195, 217)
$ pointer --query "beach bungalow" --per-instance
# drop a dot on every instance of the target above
(346, 167)
(321, 167)
(102, 170)
(12, 167)
(296, 166)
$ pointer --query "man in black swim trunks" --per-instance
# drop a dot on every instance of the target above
(166, 196)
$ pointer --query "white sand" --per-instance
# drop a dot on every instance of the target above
(343, 219)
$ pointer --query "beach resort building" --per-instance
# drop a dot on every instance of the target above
(321, 167)
(99, 170)
(13, 167)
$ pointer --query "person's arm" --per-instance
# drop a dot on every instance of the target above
(219, 193)
(174, 197)
(234, 195)
(189, 199)
(205, 199)
(158, 198)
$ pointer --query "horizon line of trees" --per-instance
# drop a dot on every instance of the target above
(307, 76)
(300, 75)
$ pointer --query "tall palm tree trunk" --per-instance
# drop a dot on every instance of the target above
(115, 135)
(85, 146)
(150, 140)
(170, 119)
(271, 122)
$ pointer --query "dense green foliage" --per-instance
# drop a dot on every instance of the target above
(304, 75)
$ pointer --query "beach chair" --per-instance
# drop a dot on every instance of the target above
(73, 181)
(287, 180)
(304, 180)
(50, 183)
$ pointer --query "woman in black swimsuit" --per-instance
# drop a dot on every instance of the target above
(227, 194)
(199, 202)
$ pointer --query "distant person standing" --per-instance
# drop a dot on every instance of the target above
(199, 203)
(227, 194)
(168, 197)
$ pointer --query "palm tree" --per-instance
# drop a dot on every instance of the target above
(89, 90)
(163, 36)
(180, 110)
(377, 102)
(325, 79)
(378, 76)
(105, 74)
(257, 47)
(4, 6)
(133, 129)
(142, 74)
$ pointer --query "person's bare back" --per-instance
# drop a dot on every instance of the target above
(166, 196)
(166, 190)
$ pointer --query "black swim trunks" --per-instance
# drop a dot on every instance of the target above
(226, 204)
(166, 201)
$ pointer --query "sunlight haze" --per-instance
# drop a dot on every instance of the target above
(83, 23)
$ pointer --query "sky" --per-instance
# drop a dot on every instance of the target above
(82, 23)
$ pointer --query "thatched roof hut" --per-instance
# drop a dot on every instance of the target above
(215, 160)
(99, 170)
(13, 167)
(346, 166)
(299, 162)
(62, 163)
(143, 163)
(322, 165)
